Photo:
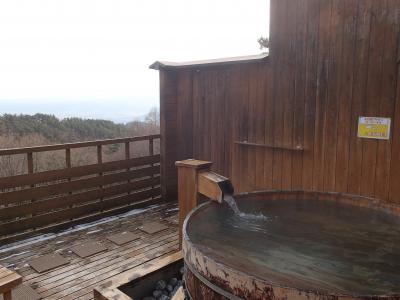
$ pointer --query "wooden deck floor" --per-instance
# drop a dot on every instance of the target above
(77, 279)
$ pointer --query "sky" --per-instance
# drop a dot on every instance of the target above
(90, 58)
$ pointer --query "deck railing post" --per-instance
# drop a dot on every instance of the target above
(68, 158)
(30, 170)
(30, 162)
(127, 150)
(68, 165)
(151, 153)
(128, 156)
(99, 161)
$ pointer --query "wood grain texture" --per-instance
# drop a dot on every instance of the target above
(81, 276)
(8, 281)
(168, 130)
(361, 60)
(330, 62)
(188, 196)
(346, 89)
(75, 194)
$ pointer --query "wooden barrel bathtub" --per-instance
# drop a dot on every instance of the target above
(220, 267)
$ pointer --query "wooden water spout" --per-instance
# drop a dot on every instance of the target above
(214, 186)
(195, 179)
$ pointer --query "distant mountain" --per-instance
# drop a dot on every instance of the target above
(117, 110)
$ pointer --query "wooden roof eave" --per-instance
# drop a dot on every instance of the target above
(161, 65)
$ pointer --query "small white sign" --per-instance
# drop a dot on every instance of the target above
(374, 128)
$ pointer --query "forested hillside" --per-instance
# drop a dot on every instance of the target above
(55, 130)
(41, 129)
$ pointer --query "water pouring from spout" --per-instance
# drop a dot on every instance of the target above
(230, 200)
(195, 178)
(220, 189)
(232, 204)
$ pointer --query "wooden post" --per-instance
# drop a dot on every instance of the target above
(30, 162)
(68, 165)
(8, 282)
(151, 153)
(127, 150)
(100, 161)
(7, 295)
(187, 187)
(168, 130)
(128, 156)
(30, 171)
(99, 154)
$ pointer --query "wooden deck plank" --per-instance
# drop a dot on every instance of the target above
(91, 284)
(117, 251)
(75, 284)
(75, 239)
(89, 269)
(19, 256)
(78, 263)
(78, 279)
(110, 288)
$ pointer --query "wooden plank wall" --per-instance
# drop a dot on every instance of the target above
(330, 62)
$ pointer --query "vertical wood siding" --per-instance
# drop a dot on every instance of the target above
(330, 62)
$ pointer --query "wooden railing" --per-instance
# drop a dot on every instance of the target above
(47, 201)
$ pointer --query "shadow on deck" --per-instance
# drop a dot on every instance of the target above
(78, 278)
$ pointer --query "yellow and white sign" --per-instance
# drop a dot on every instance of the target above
(374, 128)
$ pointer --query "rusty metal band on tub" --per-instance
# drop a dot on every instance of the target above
(212, 286)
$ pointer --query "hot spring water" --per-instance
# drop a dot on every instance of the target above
(230, 200)
(232, 204)
(310, 244)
